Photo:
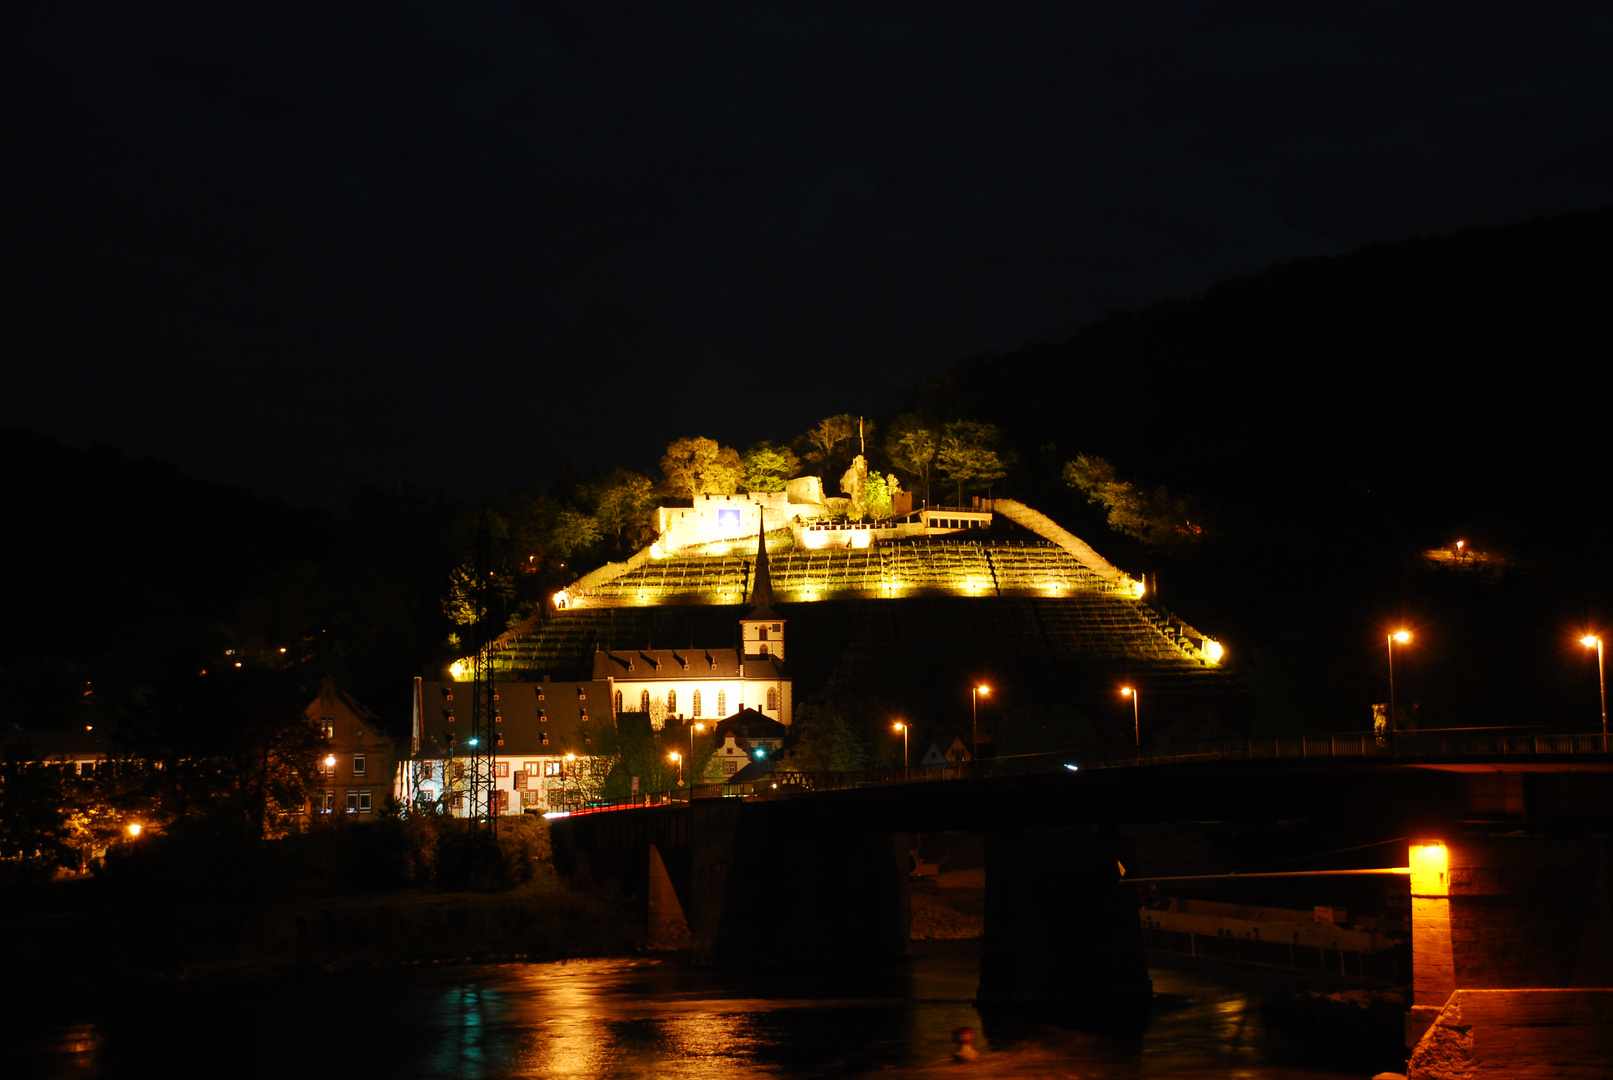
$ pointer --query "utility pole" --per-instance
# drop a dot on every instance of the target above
(482, 804)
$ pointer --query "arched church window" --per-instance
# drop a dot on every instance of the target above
(722, 703)
(644, 701)
(772, 699)
(764, 648)
(618, 702)
(671, 702)
(695, 710)
(761, 633)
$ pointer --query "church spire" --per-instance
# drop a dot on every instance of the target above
(762, 589)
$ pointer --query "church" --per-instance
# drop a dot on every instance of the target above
(708, 683)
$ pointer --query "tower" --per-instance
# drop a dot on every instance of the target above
(761, 630)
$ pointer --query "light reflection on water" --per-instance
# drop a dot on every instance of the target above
(638, 1018)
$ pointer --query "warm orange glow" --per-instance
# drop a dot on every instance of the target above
(571, 757)
(983, 690)
(1430, 860)
(700, 727)
(134, 828)
(1401, 636)
(1214, 650)
(1460, 544)
(1125, 691)
(330, 761)
(674, 756)
(1590, 641)
(898, 727)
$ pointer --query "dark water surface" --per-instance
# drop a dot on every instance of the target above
(638, 1018)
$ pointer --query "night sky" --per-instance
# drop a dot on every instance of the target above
(305, 247)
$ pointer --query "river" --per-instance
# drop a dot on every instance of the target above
(633, 1018)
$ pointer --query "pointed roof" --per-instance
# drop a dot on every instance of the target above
(761, 596)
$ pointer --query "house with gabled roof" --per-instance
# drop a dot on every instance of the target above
(547, 756)
(358, 761)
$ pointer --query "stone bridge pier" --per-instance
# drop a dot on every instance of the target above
(1062, 933)
(1512, 957)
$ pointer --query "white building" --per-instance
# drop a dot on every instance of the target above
(546, 754)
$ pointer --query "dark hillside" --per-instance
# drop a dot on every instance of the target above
(1336, 416)
(123, 574)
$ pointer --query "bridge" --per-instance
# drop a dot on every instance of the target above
(1503, 839)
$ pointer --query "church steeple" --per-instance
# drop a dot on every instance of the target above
(761, 595)
(762, 630)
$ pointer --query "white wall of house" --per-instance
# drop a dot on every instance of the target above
(719, 698)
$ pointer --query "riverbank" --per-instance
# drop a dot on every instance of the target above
(545, 919)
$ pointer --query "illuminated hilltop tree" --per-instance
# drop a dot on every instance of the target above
(699, 466)
(911, 445)
(769, 467)
(967, 455)
(624, 504)
(1157, 518)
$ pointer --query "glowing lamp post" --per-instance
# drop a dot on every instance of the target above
(134, 828)
(1136, 715)
(1588, 641)
(1402, 636)
(677, 759)
(975, 694)
(692, 729)
(903, 729)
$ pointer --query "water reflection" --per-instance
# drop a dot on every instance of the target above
(639, 1019)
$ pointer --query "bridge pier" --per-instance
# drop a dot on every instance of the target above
(1062, 934)
(1512, 956)
(790, 897)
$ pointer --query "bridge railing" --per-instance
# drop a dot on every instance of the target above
(1355, 744)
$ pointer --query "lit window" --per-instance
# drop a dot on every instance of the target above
(501, 768)
(695, 710)
(722, 703)
(330, 802)
(358, 764)
(644, 701)
(772, 699)
(554, 768)
(618, 701)
(352, 802)
(671, 701)
(364, 802)
(327, 726)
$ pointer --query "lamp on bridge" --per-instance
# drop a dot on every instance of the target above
(677, 758)
(975, 694)
(1136, 715)
(692, 729)
(1402, 636)
(903, 729)
(1601, 677)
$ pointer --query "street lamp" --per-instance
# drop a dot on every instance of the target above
(1136, 715)
(975, 694)
(1401, 636)
(1601, 677)
(692, 729)
(134, 829)
(903, 729)
(678, 759)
